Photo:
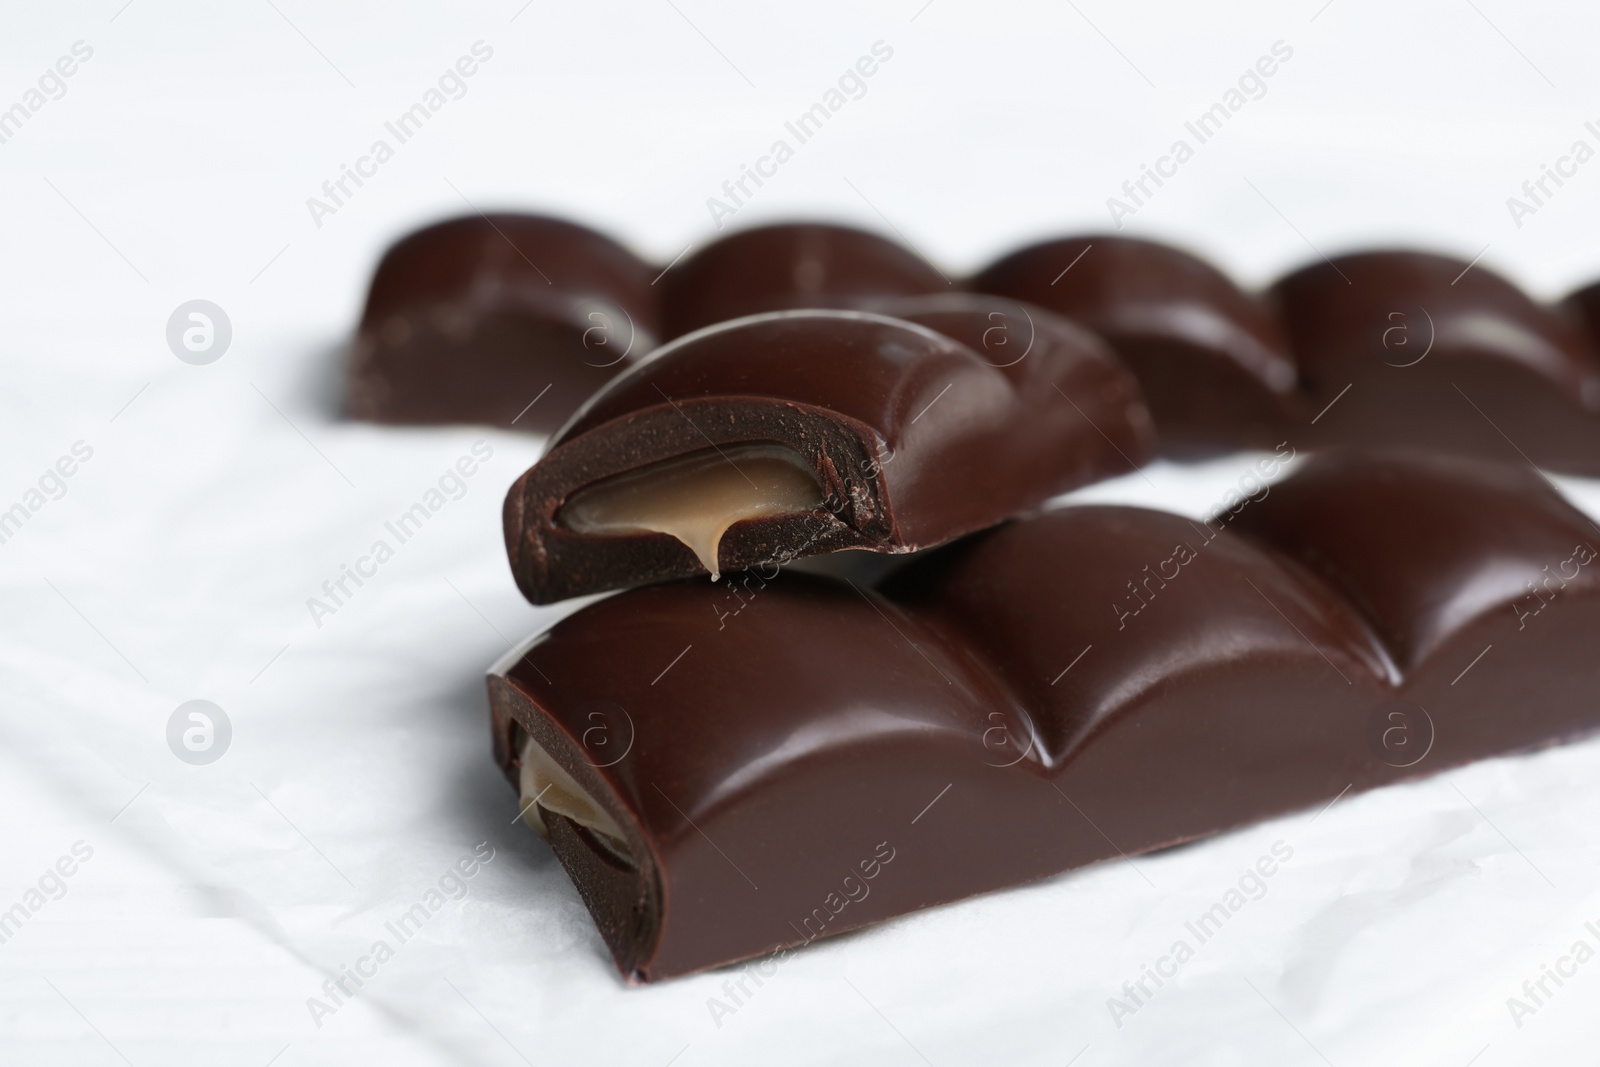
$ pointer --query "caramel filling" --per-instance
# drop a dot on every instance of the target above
(696, 497)
(546, 786)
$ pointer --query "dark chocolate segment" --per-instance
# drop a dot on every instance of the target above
(477, 318)
(1423, 350)
(1479, 579)
(1370, 523)
(914, 440)
(1211, 359)
(756, 755)
(1063, 689)
(790, 266)
(1170, 615)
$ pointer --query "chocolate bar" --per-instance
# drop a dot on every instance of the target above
(1399, 348)
(792, 434)
(725, 776)
(509, 320)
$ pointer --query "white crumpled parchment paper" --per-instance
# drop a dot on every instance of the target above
(209, 906)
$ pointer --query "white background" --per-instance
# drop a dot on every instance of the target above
(219, 498)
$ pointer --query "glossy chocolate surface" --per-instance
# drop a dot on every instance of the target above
(914, 438)
(1436, 352)
(477, 318)
(801, 757)
(1212, 360)
(1376, 348)
(789, 266)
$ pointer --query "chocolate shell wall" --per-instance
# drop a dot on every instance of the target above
(797, 757)
(1389, 347)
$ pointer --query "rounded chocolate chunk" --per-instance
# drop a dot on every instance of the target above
(509, 320)
(912, 438)
(1211, 359)
(1413, 349)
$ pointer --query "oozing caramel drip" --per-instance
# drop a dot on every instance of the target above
(697, 497)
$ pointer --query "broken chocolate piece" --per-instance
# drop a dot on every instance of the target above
(798, 735)
(806, 757)
(911, 438)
